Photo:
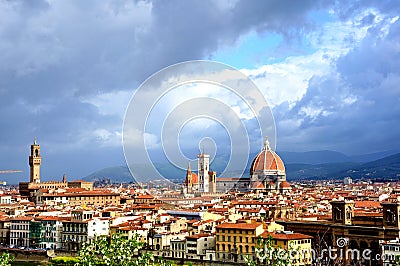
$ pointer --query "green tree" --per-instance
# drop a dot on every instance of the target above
(116, 251)
(267, 254)
(6, 259)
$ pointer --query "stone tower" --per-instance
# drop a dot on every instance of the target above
(391, 214)
(35, 160)
(342, 211)
(203, 167)
(212, 188)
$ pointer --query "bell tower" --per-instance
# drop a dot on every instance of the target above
(391, 214)
(342, 211)
(203, 167)
(35, 160)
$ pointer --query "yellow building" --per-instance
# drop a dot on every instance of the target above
(235, 241)
(298, 245)
(82, 198)
(130, 231)
(273, 226)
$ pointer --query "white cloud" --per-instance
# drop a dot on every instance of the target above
(110, 103)
(151, 141)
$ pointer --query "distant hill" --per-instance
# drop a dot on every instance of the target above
(388, 167)
(121, 174)
(317, 171)
(326, 156)
(118, 174)
(298, 166)
(313, 157)
(364, 158)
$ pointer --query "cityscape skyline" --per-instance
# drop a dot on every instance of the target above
(256, 132)
(328, 71)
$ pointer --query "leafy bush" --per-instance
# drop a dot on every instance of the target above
(65, 261)
(115, 252)
(6, 259)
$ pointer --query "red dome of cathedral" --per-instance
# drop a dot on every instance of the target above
(285, 185)
(267, 160)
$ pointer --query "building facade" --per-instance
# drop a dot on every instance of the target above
(235, 241)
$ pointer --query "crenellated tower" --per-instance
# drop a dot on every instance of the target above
(35, 160)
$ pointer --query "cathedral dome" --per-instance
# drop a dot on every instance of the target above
(267, 161)
(285, 185)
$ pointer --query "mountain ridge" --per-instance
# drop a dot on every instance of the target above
(335, 165)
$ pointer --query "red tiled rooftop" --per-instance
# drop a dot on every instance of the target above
(244, 226)
(285, 236)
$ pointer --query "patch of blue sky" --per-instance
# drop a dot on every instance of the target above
(322, 16)
(256, 49)
(253, 49)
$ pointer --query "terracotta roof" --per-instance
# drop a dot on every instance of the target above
(285, 236)
(367, 204)
(147, 196)
(245, 226)
(284, 184)
(21, 218)
(258, 185)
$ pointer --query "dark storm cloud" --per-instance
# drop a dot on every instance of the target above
(355, 109)
(56, 55)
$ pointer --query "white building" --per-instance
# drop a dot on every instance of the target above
(198, 245)
(5, 199)
(177, 249)
(390, 250)
(19, 231)
(98, 226)
(51, 233)
(347, 180)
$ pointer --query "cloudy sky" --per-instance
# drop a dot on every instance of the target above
(330, 71)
